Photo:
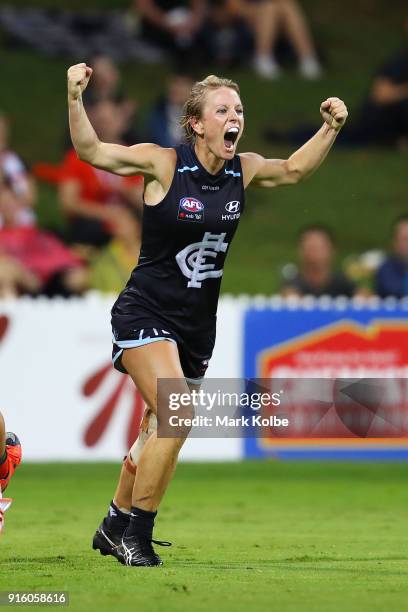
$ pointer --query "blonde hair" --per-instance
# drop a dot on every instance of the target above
(193, 106)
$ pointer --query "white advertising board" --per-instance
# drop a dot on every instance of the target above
(60, 393)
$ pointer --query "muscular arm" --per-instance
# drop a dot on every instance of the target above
(147, 159)
(263, 172)
(301, 164)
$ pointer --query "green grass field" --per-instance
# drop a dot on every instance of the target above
(290, 537)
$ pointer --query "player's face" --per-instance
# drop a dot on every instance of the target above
(222, 122)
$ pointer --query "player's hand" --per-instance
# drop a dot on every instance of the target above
(334, 112)
(78, 77)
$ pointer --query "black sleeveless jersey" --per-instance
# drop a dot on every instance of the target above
(185, 240)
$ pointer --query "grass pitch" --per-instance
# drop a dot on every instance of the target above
(259, 536)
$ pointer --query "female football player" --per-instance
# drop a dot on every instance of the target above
(164, 320)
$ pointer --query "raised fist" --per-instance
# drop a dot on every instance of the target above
(78, 77)
(334, 112)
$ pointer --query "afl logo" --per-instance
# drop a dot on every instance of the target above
(232, 207)
(191, 205)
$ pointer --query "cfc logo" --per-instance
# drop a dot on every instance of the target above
(195, 260)
(233, 208)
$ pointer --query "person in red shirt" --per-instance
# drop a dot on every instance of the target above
(32, 260)
(90, 196)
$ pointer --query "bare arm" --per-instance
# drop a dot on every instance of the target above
(146, 159)
(263, 172)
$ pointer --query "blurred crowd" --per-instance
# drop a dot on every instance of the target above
(260, 33)
(230, 31)
(100, 240)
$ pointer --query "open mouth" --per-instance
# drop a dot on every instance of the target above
(230, 138)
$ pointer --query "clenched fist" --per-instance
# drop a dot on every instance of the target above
(334, 112)
(78, 77)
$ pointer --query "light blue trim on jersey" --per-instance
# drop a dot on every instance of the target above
(232, 172)
(191, 169)
(194, 381)
(117, 355)
(126, 344)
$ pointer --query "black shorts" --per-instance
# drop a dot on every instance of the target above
(194, 351)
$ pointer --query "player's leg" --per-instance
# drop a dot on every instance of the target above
(123, 493)
(109, 534)
(10, 458)
(143, 456)
(158, 458)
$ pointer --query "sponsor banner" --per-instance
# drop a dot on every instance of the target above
(345, 345)
(60, 393)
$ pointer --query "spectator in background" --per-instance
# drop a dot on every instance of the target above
(174, 26)
(229, 38)
(392, 276)
(106, 86)
(164, 120)
(270, 20)
(316, 275)
(110, 269)
(14, 175)
(33, 261)
(383, 118)
(90, 197)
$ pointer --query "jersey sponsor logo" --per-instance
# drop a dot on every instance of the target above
(191, 209)
(233, 209)
(193, 259)
(210, 187)
(233, 206)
